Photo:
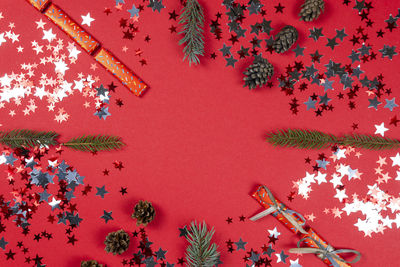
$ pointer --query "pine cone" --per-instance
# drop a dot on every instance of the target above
(285, 39)
(258, 73)
(91, 263)
(144, 213)
(117, 242)
(311, 9)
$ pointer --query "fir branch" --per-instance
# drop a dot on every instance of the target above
(310, 139)
(200, 253)
(192, 19)
(27, 138)
(370, 142)
(301, 139)
(94, 143)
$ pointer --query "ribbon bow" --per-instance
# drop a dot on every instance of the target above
(279, 208)
(327, 252)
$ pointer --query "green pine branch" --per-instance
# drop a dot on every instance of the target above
(27, 138)
(200, 253)
(192, 19)
(94, 143)
(309, 139)
(370, 142)
(301, 139)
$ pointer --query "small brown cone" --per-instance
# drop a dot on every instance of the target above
(311, 9)
(144, 213)
(258, 73)
(285, 39)
(91, 263)
(117, 242)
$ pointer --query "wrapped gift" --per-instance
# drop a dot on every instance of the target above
(70, 27)
(124, 75)
(39, 4)
(290, 218)
(90, 45)
(316, 245)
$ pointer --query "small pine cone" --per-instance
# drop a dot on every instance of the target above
(91, 263)
(144, 212)
(117, 242)
(311, 9)
(258, 73)
(285, 39)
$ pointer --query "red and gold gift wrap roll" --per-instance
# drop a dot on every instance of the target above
(313, 240)
(90, 45)
(296, 223)
(264, 198)
(70, 27)
(39, 4)
(127, 77)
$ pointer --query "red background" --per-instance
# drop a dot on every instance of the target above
(195, 140)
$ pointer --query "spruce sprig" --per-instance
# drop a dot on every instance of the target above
(94, 143)
(192, 19)
(200, 253)
(310, 139)
(301, 139)
(27, 138)
(370, 142)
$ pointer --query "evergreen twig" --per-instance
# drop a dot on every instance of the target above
(192, 19)
(200, 253)
(301, 139)
(310, 139)
(370, 142)
(29, 139)
(95, 143)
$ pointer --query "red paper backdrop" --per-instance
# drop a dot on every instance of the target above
(195, 140)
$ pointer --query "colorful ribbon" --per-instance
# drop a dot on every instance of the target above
(327, 252)
(279, 208)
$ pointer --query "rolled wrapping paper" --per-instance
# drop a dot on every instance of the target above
(39, 4)
(90, 45)
(316, 245)
(70, 27)
(290, 218)
(127, 77)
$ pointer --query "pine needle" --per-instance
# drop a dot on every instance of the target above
(370, 142)
(192, 19)
(94, 143)
(301, 139)
(309, 139)
(200, 253)
(27, 138)
(30, 139)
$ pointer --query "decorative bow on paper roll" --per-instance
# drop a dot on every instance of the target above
(326, 252)
(296, 223)
(279, 208)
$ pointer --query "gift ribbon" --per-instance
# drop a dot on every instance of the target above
(279, 208)
(327, 252)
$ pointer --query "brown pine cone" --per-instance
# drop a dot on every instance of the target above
(144, 212)
(117, 242)
(285, 39)
(91, 263)
(258, 73)
(311, 9)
